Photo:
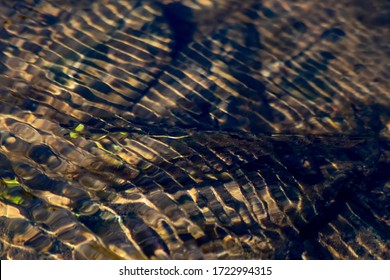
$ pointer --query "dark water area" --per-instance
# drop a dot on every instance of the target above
(194, 129)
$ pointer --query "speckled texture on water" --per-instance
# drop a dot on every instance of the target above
(194, 129)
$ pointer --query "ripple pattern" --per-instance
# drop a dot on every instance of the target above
(194, 129)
